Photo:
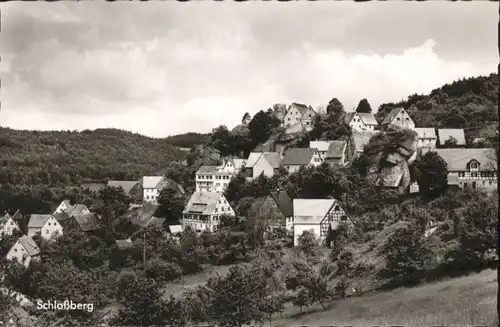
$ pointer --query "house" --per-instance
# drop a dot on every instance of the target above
(337, 153)
(7, 225)
(321, 146)
(426, 139)
(24, 251)
(471, 168)
(217, 178)
(133, 189)
(317, 216)
(204, 209)
(307, 119)
(451, 134)
(398, 117)
(294, 114)
(70, 209)
(124, 244)
(361, 121)
(356, 143)
(266, 163)
(233, 165)
(46, 225)
(87, 222)
(301, 157)
(151, 186)
(276, 210)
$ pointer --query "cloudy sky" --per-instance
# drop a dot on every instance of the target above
(166, 68)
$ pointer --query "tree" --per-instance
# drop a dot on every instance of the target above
(141, 304)
(220, 139)
(308, 244)
(334, 107)
(171, 203)
(246, 118)
(451, 142)
(364, 106)
(431, 174)
(262, 126)
(114, 203)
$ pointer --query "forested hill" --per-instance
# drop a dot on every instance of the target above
(187, 140)
(68, 158)
(470, 103)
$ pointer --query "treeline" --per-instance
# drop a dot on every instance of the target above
(64, 158)
(187, 140)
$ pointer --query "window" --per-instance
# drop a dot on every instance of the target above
(461, 174)
(15, 250)
(473, 174)
(336, 208)
(46, 231)
(473, 165)
(398, 119)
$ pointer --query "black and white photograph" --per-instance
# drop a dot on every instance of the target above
(249, 163)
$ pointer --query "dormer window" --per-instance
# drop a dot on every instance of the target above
(474, 165)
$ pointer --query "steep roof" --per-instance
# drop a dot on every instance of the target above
(126, 185)
(284, 202)
(61, 217)
(202, 202)
(151, 181)
(367, 118)
(319, 145)
(458, 159)
(302, 108)
(391, 115)
(273, 158)
(38, 221)
(298, 156)
(124, 244)
(425, 132)
(29, 245)
(253, 157)
(336, 149)
(87, 222)
(77, 209)
(311, 211)
(448, 133)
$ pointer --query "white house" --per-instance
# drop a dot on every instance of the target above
(233, 165)
(262, 162)
(7, 225)
(46, 225)
(213, 179)
(67, 207)
(298, 157)
(204, 209)
(24, 251)
(321, 146)
(471, 168)
(317, 216)
(151, 187)
(361, 121)
(398, 117)
(307, 119)
(294, 114)
(426, 137)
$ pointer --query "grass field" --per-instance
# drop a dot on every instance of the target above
(465, 301)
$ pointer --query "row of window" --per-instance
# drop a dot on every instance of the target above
(474, 174)
(212, 177)
(150, 197)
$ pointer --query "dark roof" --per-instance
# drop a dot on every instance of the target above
(126, 185)
(336, 149)
(391, 115)
(298, 156)
(284, 202)
(302, 108)
(124, 244)
(273, 158)
(87, 222)
(459, 159)
(62, 217)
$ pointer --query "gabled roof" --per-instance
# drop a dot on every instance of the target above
(302, 108)
(124, 244)
(87, 222)
(38, 221)
(458, 159)
(284, 202)
(336, 149)
(202, 203)
(272, 157)
(311, 211)
(319, 145)
(253, 157)
(151, 181)
(425, 132)
(447, 133)
(126, 185)
(62, 217)
(29, 245)
(298, 156)
(391, 115)
(367, 118)
(77, 209)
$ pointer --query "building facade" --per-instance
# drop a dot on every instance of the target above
(203, 211)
